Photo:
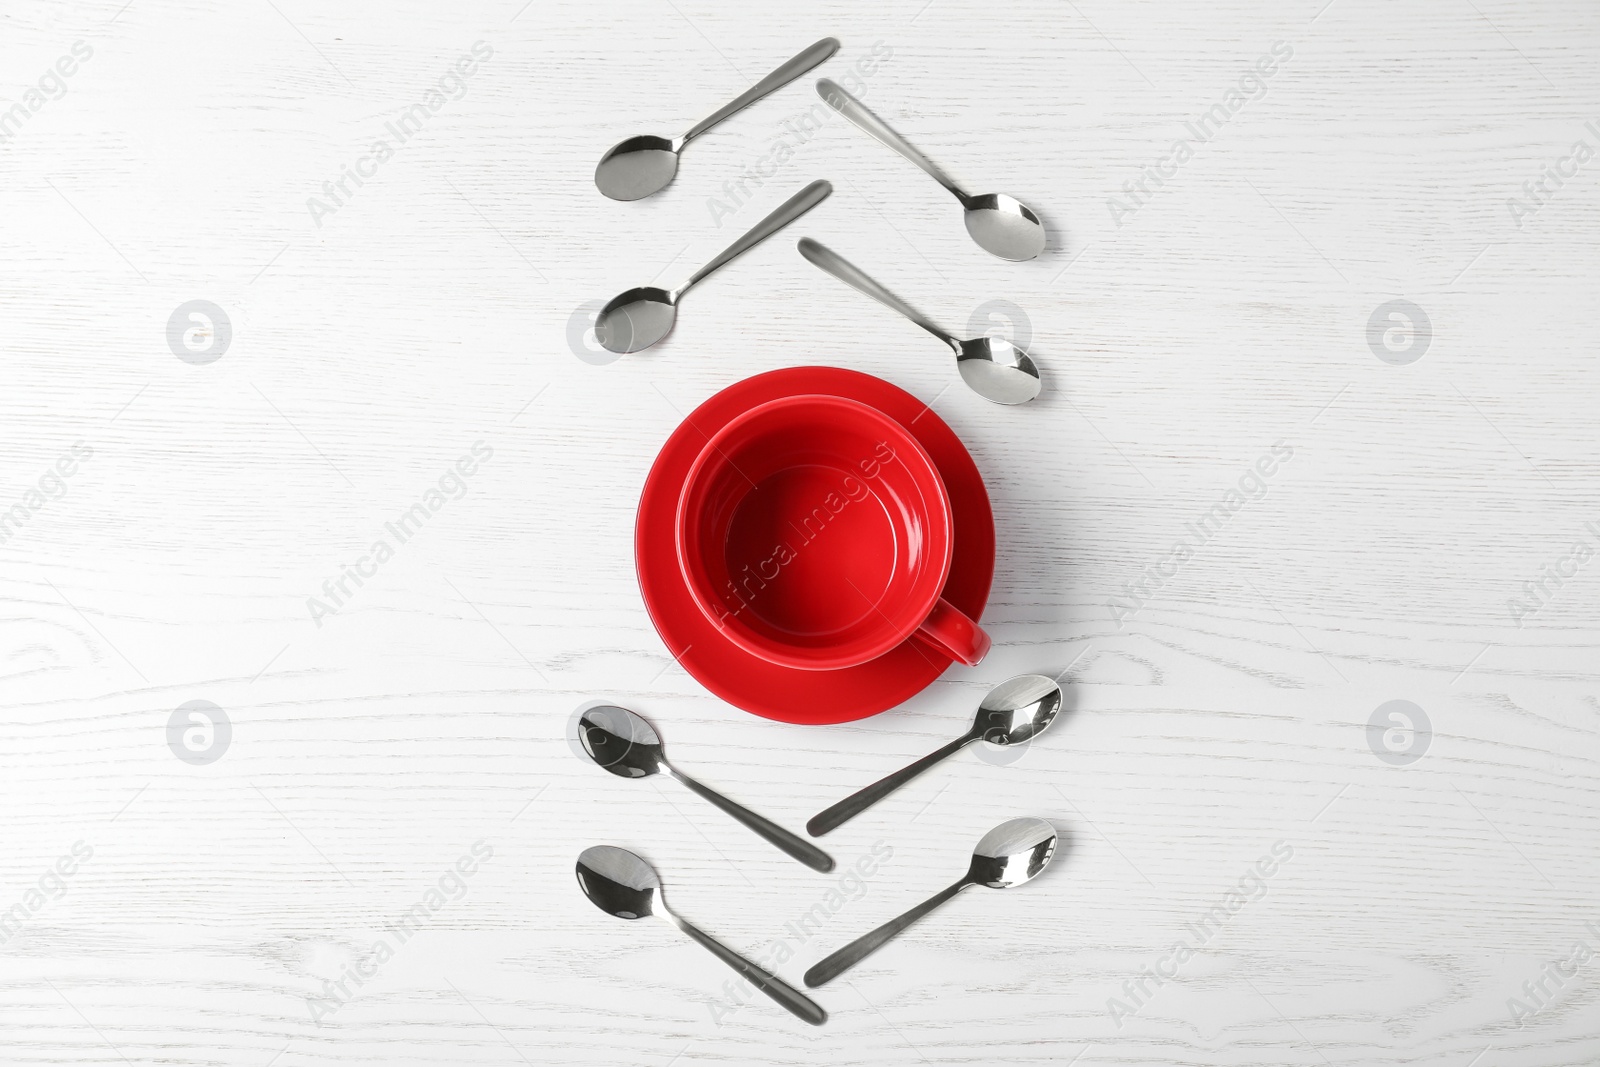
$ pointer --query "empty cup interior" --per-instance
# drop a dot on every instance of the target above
(817, 533)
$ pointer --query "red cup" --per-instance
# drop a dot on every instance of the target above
(815, 532)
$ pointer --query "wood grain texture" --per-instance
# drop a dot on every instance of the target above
(435, 308)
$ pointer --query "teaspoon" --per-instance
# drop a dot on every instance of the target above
(640, 317)
(1002, 226)
(1014, 711)
(625, 744)
(642, 165)
(995, 368)
(1009, 855)
(624, 885)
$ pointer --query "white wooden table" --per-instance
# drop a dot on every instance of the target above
(178, 516)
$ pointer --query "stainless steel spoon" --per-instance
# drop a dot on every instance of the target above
(995, 368)
(1009, 855)
(1014, 711)
(642, 165)
(622, 884)
(1002, 226)
(640, 317)
(625, 744)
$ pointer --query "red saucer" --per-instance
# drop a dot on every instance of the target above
(783, 693)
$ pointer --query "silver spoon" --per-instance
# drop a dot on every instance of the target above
(624, 885)
(995, 368)
(625, 744)
(1009, 855)
(640, 317)
(642, 165)
(1014, 711)
(1002, 226)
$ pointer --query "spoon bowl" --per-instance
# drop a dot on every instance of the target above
(637, 167)
(636, 319)
(998, 370)
(1013, 853)
(620, 741)
(1018, 710)
(618, 882)
(1004, 227)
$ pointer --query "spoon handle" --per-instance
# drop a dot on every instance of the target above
(862, 947)
(857, 279)
(854, 110)
(787, 212)
(776, 80)
(856, 803)
(793, 844)
(796, 1002)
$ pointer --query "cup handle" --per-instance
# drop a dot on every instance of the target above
(948, 629)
